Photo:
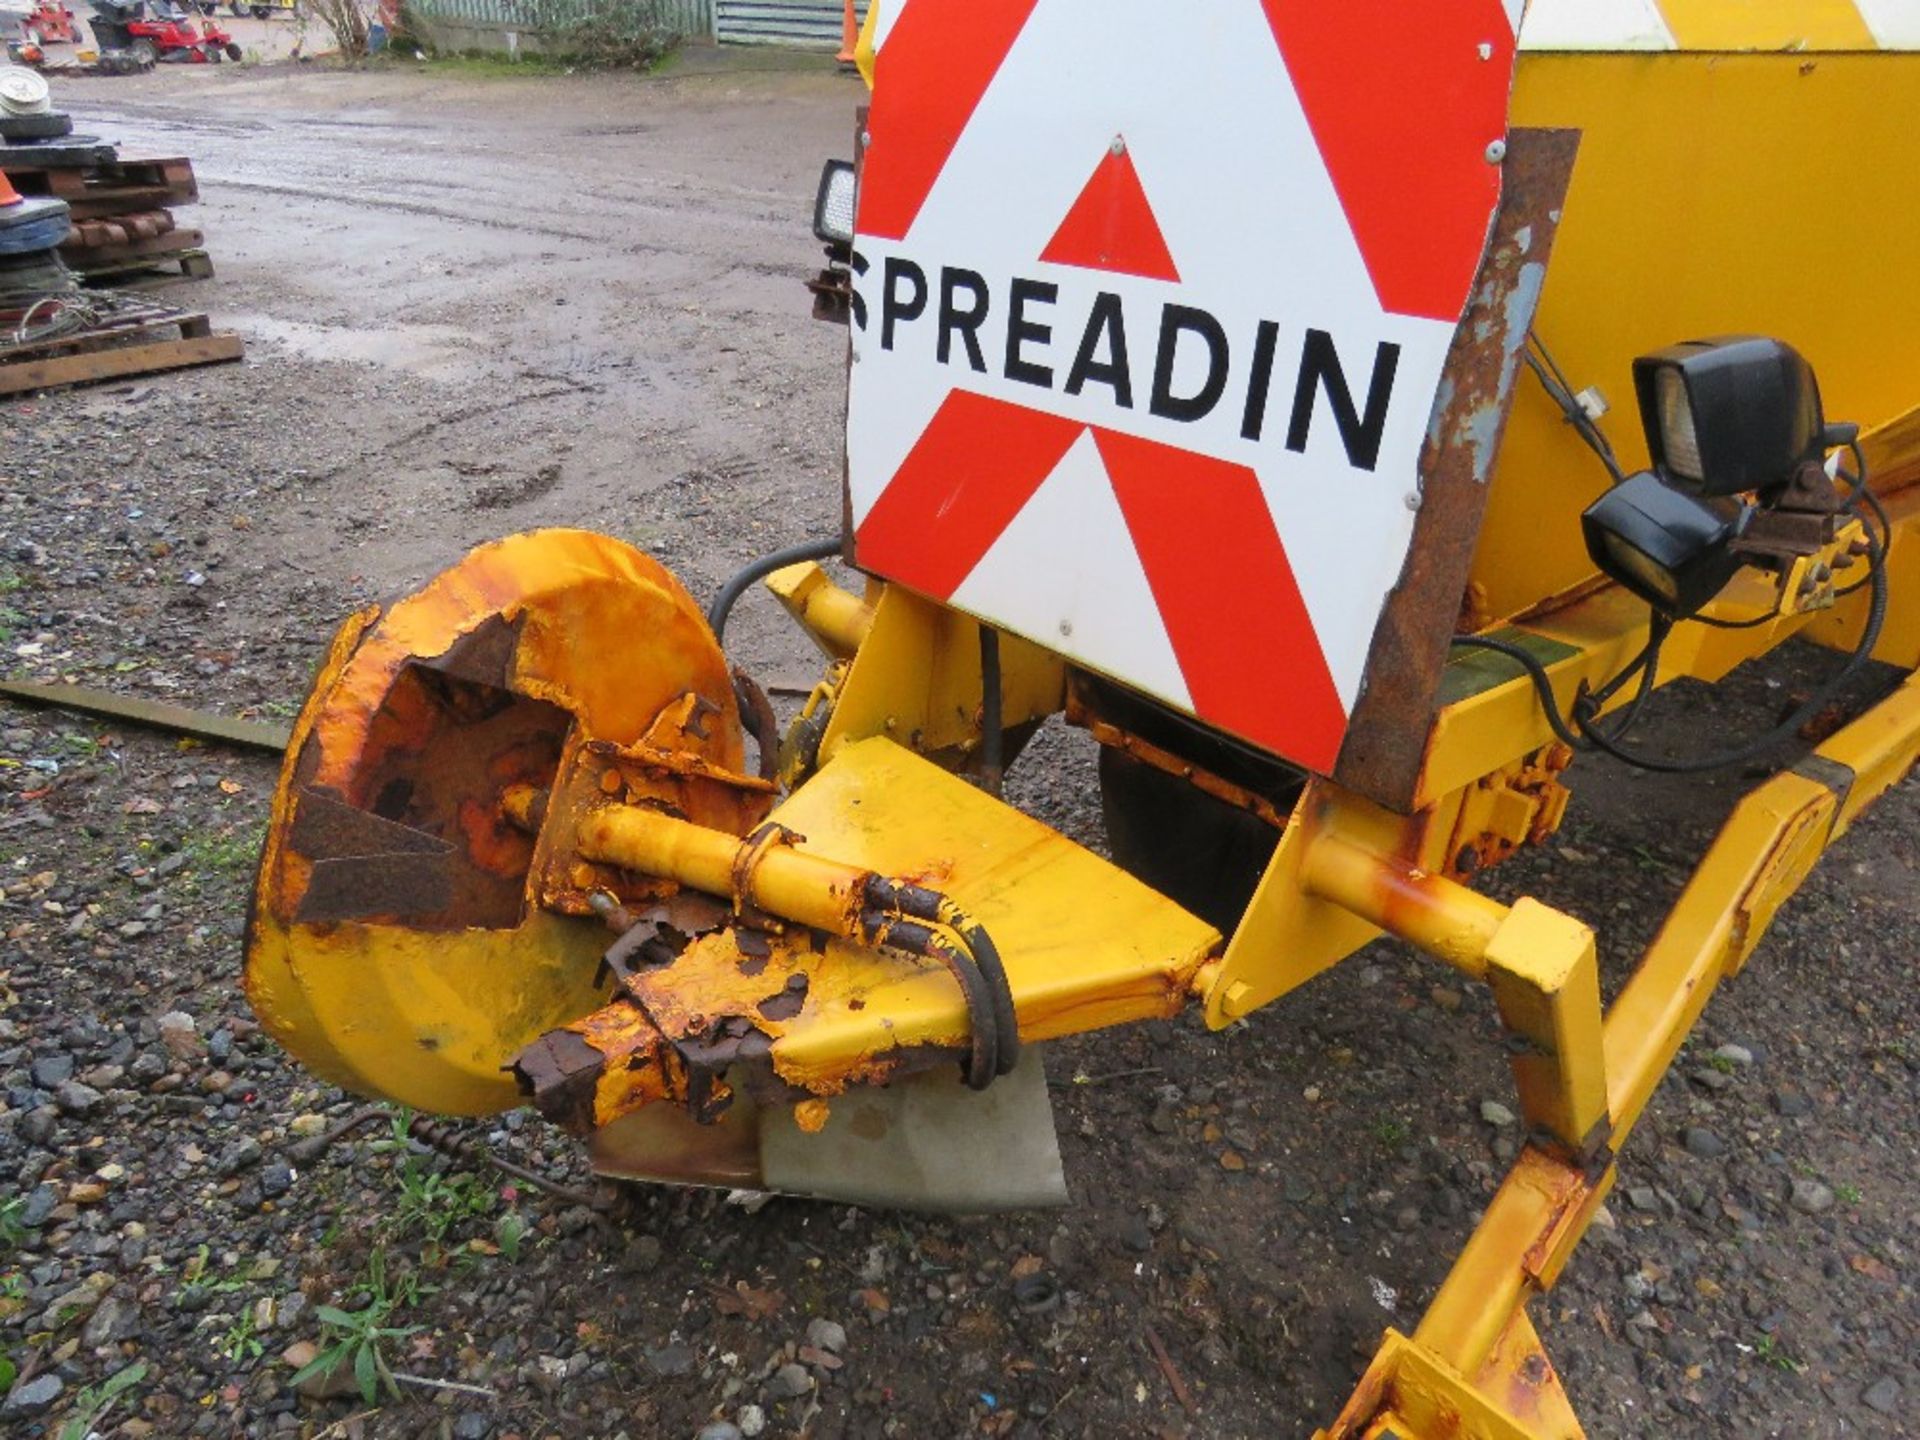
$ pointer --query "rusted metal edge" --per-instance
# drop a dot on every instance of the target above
(1386, 739)
(201, 724)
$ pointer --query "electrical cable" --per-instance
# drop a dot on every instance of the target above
(1537, 673)
(1753, 624)
(1586, 710)
(1560, 390)
(1862, 493)
(1584, 734)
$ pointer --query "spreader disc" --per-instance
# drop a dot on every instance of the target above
(394, 945)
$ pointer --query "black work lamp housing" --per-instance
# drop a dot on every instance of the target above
(833, 203)
(1670, 548)
(1730, 415)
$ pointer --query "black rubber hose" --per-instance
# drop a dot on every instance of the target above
(993, 765)
(920, 903)
(736, 586)
(983, 1059)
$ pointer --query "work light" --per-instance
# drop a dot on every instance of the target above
(1670, 548)
(1731, 415)
(833, 205)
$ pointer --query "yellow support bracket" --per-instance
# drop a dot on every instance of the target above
(1545, 975)
(1540, 965)
(916, 680)
(836, 619)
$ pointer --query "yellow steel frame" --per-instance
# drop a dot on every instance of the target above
(1465, 1366)
(1346, 871)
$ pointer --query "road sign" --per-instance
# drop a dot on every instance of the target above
(1151, 306)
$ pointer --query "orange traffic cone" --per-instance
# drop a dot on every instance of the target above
(849, 34)
(29, 223)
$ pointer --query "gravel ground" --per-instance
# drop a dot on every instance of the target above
(477, 306)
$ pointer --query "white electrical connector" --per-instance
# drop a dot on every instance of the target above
(1591, 402)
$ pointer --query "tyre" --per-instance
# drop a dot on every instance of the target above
(143, 52)
(233, 51)
(239, 8)
(34, 127)
(261, 12)
(41, 234)
(1199, 851)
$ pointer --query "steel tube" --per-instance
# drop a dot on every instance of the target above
(1440, 916)
(773, 877)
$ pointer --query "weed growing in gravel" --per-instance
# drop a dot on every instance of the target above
(1770, 1352)
(12, 1228)
(9, 617)
(356, 1338)
(241, 1345)
(432, 1203)
(231, 852)
(1847, 1193)
(88, 747)
(1391, 1133)
(92, 1404)
(193, 1276)
(508, 1231)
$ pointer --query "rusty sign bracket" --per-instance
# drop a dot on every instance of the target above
(1386, 738)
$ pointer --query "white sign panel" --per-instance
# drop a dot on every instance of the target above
(1151, 305)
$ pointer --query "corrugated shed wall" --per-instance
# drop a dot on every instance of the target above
(807, 24)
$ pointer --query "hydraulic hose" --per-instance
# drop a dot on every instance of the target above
(737, 584)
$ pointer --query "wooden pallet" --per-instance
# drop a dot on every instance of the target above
(167, 242)
(99, 192)
(125, 232)
(133, 337)
(145, 272)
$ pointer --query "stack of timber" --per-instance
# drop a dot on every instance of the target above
(81, 339)
(124, 230)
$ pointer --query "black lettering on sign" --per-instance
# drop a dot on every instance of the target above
(893, 306)
(1175, 321)
(1254, 418)
(1102, 356)
(1104, 322)
(1021, 331)
(859, 263)
(1320, 368)
(964, 323)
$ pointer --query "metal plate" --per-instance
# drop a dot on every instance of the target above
(923, 1142)
(72, 152)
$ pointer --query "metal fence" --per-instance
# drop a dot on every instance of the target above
(804, 24)
(693, 18)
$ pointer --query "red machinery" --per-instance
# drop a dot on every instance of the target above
(159, 31)
(52, 23)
